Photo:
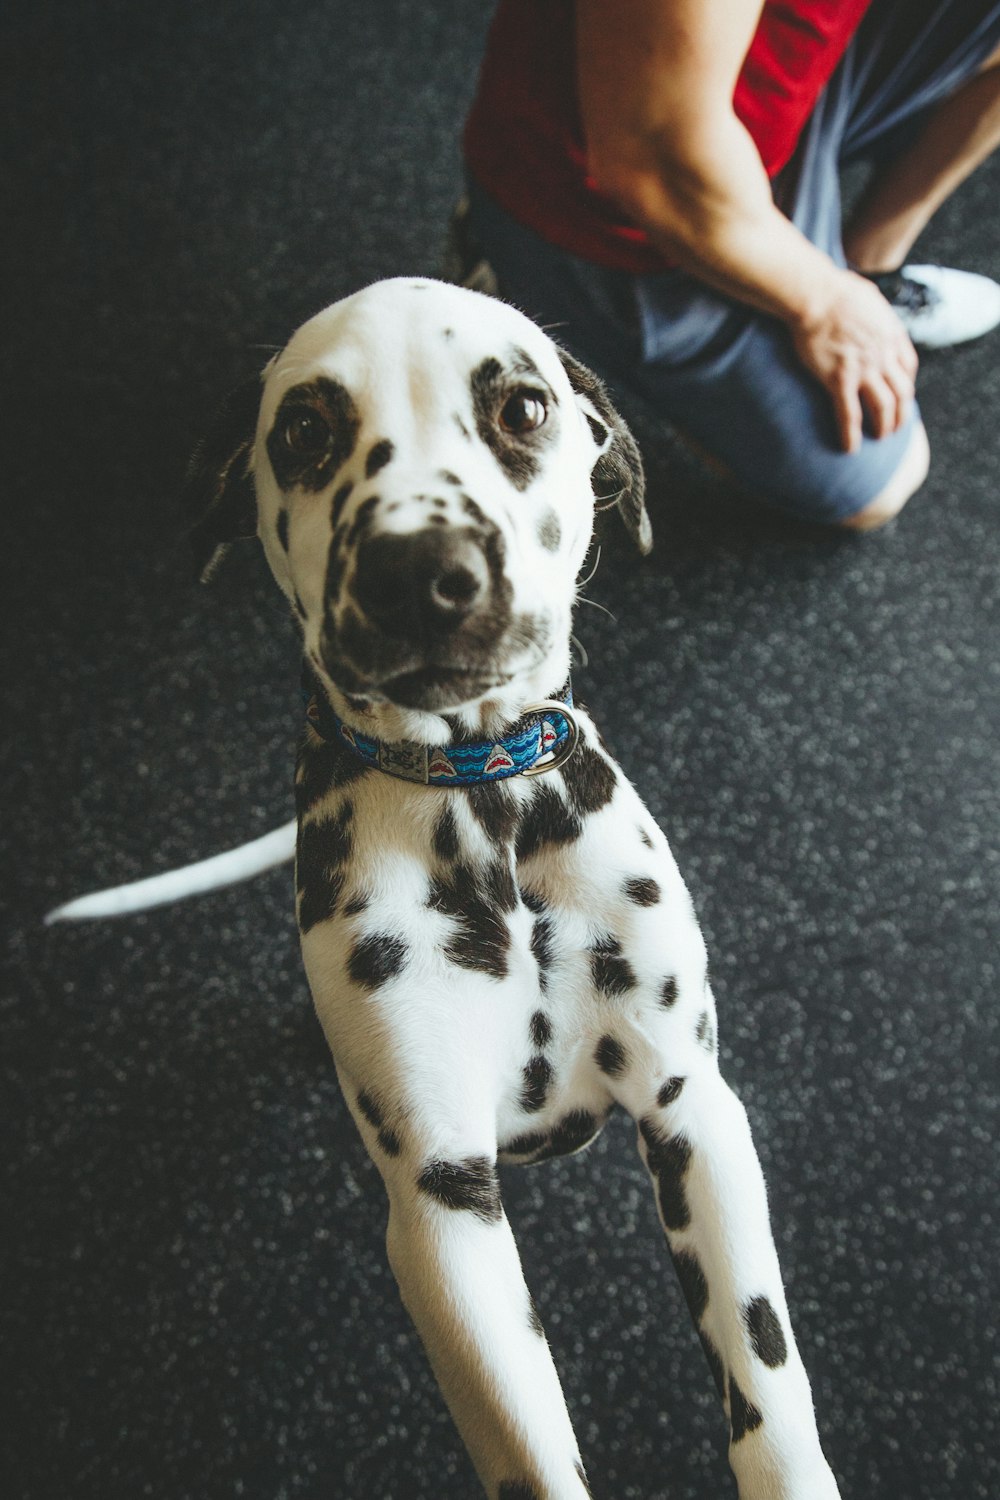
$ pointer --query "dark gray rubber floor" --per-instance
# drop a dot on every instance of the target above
(195, 1302)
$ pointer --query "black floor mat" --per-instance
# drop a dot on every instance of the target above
(196, 1297)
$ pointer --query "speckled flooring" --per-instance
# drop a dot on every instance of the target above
(196, 1303)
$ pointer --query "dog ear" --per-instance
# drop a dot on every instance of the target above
(219, 500)
(618, 474)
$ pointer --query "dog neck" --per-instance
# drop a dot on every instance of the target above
(529, 739)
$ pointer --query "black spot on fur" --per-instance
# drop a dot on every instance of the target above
(470, 1184)
(523, 364)
(609, 1055)
(318, 899)
(378, 457)
(610, 970)
(743, 1415)
(541, 947)
(449, 477)
(481, 939)
(335, 569)
(370, 1109)
(534, 1318)
(537, 1074)
(323, 766)
(714, 1363)
(572, 1133)
(549, 531)
(590, 780)
(388, 1138)
(321, 850)
(765, 1332)
(578, 1466)
(642, 890)
(598, 431)
(526, 1144)
(668, 1158)
(461, 427)
(547, 821)
(338, 502)
(356, 905)
(331, 408)
(645, 838)
(668, 993)
(705, 1032)
(362, 519)
(541, 1029)
(693, 1283)
(446, 834)
(532, 900)
(669, 1092)
(494, 809)
(519, 455)
(499, 886)
(376, 959)
(282, 528)
(517, 1489)
(474, 511)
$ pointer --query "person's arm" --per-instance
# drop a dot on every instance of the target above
(656, 81)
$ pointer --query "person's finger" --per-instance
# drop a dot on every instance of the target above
(882, 406)
(902, 386)
(908, 357)
(847, 409)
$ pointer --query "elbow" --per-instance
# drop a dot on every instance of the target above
(649, 188)
(620, 179)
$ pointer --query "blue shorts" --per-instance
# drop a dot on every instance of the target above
(724, 374)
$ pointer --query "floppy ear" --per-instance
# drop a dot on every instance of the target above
(618, 473)
(219, 499)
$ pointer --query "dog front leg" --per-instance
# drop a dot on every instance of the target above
(695, 1139)
(453, 1254)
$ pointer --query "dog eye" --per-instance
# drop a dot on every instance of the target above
(305, 433)
(524, 411)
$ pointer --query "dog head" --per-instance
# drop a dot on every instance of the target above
(421, 464)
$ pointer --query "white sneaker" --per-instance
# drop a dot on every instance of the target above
(939, 306)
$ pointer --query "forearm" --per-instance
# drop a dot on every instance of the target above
(701, 193)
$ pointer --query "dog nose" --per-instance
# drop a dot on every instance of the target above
(435, 578)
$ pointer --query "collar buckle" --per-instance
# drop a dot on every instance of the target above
(562, 752)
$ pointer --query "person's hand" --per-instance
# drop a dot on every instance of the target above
(855, 345)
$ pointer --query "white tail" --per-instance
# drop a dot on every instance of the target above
(191, 880)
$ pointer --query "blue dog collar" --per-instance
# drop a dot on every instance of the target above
(544, 737)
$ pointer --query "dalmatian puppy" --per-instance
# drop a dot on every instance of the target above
(498, 941)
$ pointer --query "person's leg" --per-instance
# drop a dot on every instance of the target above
(960, 134)
(903, 484)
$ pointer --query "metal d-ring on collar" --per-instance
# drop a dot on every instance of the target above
(561, 754)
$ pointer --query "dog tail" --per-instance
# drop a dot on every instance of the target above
(191, 880)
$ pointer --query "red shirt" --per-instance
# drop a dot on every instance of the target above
(523, 141)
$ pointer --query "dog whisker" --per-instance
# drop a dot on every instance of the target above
(581, 599)
(597, 562)
(610, 501)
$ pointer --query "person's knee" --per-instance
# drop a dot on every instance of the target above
(906, 480)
